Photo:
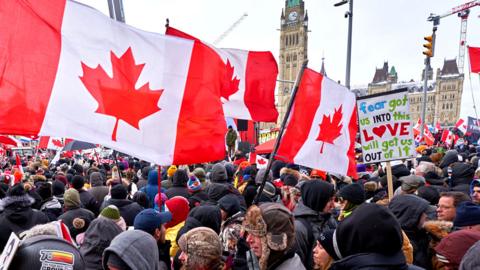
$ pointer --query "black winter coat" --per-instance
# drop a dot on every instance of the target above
(71, 214)
(373, 261)
(18, 216)
(88, 201)
(319, 222)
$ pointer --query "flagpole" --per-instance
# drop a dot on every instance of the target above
(282, 129)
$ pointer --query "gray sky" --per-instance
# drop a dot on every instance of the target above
(383, 30)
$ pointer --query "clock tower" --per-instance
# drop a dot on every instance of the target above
(293, 50)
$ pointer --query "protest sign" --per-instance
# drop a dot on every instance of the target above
(9, 251)
(385, 126)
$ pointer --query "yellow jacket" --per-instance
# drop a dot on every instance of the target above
(171, 234)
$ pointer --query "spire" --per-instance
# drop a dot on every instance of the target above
(322, 70)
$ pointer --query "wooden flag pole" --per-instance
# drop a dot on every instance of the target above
(282, 129)
(389, 181)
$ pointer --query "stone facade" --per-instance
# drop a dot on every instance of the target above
(293, 50)
(444, 94)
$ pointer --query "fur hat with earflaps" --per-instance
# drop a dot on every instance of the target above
(274, 224)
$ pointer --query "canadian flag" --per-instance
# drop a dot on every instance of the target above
(448, 137)
(249, 89)
(474, 53)
(438, 127)
(417, 127)
(74, 73)
(461, 125)
(428, 137)
(322, 126)
(259, 160)
(54, 143)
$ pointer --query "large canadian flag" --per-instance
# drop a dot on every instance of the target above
(322, 126)
(249, 89)
(69, 71)
(474, 53)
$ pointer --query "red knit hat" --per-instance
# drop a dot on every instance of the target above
(179, 208)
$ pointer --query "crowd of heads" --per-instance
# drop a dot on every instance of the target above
(130, 214)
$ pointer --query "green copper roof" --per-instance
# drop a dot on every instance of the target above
(393, 71)
(292, 3)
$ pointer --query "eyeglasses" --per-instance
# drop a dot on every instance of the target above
(439, 206)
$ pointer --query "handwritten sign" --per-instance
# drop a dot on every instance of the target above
(9, 251)
(385, 126)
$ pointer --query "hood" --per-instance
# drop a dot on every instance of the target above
(136, 248)
(316, 194)
(277, 165)
(408, 209)
(96, 179)
(152, 177)
(301, 210)
(207, 216)
(454, 246)
(462, 173)
(230, 204)
(218, 174)
(180, 178)
(16, 202)
(450, 157)
(120, 202)
(51, 204)
(216, 191)
(371, 228)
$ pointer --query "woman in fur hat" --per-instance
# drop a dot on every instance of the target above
(271, 235)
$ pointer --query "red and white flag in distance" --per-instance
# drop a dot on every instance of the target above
(474, 53)
(417, 127)
(438, 127)
(322, 126)
(249, 89)
(53, 143)
(259, 160)
(461, 125)
(448, 137)
(75, 73)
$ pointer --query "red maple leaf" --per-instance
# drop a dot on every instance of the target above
(330, 129)
(231, 85)
(57, 143)
(117, 96)
(261, 162)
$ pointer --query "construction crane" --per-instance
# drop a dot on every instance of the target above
(462, 11)
(230, 29)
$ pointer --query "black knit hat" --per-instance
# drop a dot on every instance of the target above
(353, 193)
(326, 240)
(119, 192)
(78, 182)
(371, 228)
(316, 194)
(468, 214)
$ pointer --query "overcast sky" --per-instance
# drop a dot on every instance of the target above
(383, 30)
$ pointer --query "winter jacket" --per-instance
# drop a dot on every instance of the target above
(171, 235)
(179, 185)
(136, 248)
(291, 263)
(151, 189)
(97, 238)
(408, 209)
(373, 261)
(128, 209)
(462, 173)
(450, 157)
(52, 208)
(18, 216)
(319, 222)
(99, 193)
(74, 213)
(471, 260)
(88, 201)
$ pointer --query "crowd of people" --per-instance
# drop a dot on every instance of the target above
(79, 214)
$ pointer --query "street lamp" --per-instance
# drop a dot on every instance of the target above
(348, 14)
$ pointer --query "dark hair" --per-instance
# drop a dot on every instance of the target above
(476, 183)
(458, 197)
(141, 198)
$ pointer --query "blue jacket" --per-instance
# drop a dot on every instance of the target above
(151, 189)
